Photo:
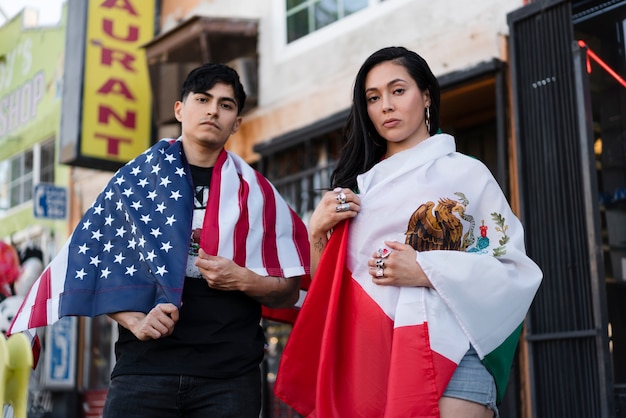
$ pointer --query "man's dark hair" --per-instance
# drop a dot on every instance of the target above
(203, 78)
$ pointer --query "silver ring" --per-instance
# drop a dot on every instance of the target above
(344, 207)
(379, 272)
(383, 252)
(380, 263)
(341, 197)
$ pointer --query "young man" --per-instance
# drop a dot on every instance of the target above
(202, 359)
(182, 249)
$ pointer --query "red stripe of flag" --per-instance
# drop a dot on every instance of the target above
(39, 313)
(300, 234)
(300, 237)
(269, 252)
(210, 226)
(242, 226)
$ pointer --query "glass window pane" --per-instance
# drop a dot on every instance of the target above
(293, 3)
(325, 13)
(47, 153)
(47, 175)
(47, 163)
(16, 168)
(27, 177)
(16, 193)
(297, 25)
(351, 6)
(28, 162)
(21, 179)
(4, 185)
(27, 187)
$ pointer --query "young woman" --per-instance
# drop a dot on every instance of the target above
(422, 281)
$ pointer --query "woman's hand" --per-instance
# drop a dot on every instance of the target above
(397, 267)
(336, 205)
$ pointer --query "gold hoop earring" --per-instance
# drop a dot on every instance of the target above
(428, 119)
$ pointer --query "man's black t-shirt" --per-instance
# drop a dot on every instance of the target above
(218, 334)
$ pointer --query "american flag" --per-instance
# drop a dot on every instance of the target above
(129, 251)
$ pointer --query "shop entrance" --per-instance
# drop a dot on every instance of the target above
(570, 132)
(603, 29)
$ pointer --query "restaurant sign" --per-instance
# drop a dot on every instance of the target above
(106, 118)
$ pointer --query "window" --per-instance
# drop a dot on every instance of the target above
(47, 164)
(25, 170)
(21, 184)
(307, 16)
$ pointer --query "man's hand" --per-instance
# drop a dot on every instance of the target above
(159, 322)
(224, 274)
(221, 273)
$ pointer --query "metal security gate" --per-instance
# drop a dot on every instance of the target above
(569, 361)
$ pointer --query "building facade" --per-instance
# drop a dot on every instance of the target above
(31, 77)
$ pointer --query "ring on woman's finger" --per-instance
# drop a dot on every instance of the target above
(383, 252)
(344, 207)
(380, 263)
(379, 272)
(341, 197)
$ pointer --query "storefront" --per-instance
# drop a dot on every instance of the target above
(602, 28)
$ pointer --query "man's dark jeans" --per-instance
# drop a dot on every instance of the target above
(184, 397)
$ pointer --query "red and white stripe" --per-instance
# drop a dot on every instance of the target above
(249, 233)
(248, 220)
(41, 304)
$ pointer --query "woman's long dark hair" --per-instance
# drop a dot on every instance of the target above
(364, 147)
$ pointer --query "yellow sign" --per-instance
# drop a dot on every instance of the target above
(116, 111)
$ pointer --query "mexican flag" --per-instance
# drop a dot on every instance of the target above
(363, 350)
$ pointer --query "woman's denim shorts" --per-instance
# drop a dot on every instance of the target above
(472, 382)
